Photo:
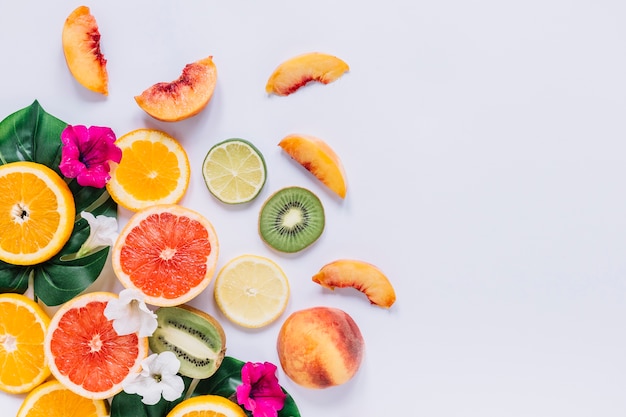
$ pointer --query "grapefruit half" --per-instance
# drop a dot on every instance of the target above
(85, 353)
(168, 252)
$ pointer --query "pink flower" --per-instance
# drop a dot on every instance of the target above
(260, 392)
(86, 154)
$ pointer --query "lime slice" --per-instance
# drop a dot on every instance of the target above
(234, 171)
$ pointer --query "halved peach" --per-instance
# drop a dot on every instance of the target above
(183, 97)
(298, 71)
(360, 275)
(81, 47)
(318, 158)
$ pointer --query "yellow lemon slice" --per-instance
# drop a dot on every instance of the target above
(251, 291)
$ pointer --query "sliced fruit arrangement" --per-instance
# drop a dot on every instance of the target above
(251, 291)
(195, 337)
(291, 219)
(318, 158)
(37, 213)
(23, 326)
(154, 170)
(85, 353)
(234, 171)
(300, 70)
(363, 276)
(183, 97)
(207, 406)
(320, 347)
(53, 399)
(83, 55)
(168, 252)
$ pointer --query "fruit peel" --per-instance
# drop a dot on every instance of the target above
(362, 276)
(317, 157)
(300, 70)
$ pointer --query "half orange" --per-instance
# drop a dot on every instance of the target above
(168, 252)
(53, 399)
(36, 213)
(23, 326)
(85, 353)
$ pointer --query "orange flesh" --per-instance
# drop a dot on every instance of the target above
(28, 237)
(131, 174)
(160, 248)
(21, 347)
(88, 351)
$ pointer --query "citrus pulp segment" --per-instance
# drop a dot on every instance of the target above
(23, 326)
(84, 351)
(36, 213)
(251, 291)
(234, 171)
(207, 406)
(154, 170)
(53, 399)
(168, 252)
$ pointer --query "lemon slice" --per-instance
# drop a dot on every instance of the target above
(207, 405)
(251, 291)
(234, 171)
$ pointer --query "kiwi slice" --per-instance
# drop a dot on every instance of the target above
(197, 339)
(291, 219)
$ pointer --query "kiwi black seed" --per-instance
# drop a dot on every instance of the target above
(195, 337)
(291, 219)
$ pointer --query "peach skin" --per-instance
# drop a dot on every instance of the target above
(360, 275)
(183, 97)
(81, 47)
(318, 158)
(320, 347)
(298, 71)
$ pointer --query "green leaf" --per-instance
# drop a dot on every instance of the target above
(31, 134)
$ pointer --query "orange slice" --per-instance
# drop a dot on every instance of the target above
(207, 406)
(154, 170)
(52, 399)
(23, 326)
(85, 353)
(36, 213)
(168, 252)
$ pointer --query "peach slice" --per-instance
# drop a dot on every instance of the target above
(302, 69)
(183, 97)
(318, 158)
(360, 275)
(81, 47)
(320, 347)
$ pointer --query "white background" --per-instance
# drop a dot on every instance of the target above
(484, 143)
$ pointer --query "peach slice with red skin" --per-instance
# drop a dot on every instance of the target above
(300, 70)
(317, 157)
(81, 47)
(183, 97)
(360, 275)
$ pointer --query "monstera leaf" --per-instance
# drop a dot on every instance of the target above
(31, 134)
(223, 383)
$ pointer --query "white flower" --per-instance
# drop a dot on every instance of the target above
(157, 377)
(102, 232)
(130, 314)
